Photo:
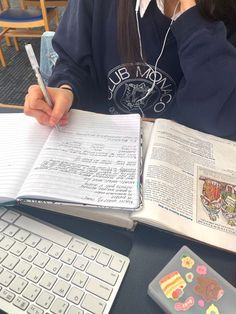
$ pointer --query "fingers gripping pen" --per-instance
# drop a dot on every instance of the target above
(35, 67)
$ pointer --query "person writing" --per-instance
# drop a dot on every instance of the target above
(160, 58)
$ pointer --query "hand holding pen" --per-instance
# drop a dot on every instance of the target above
(48, 105)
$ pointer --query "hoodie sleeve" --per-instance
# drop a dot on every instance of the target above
(72, 42)
(206, 97)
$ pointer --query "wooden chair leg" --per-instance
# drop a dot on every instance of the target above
(2, 58)
(16, 44)
(56, 18)
(8, 41)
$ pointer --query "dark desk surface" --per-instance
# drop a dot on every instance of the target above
(149, 250)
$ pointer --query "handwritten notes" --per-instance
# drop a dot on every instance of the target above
(94, 160)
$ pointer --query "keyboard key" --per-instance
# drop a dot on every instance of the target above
(18, 285)
(77, 246)
(21, 303)
(22, 268)
(3, 255)
(32, 240)
(7, 295)
(59, 306)
(93, 304)
(17, 248)
(117, 263)
(103, 258)
(55, 251)
(32, 309)
(66, 272)
(44, 245)
(91, 252)
(102, 273)
(48, 281)
(3, 225)
(99, 289)
(2, 210)
(45, 299)
(41, 260)
(10, 262)
(68, 257)
(31, 292)
(6, 243)
(61, 288)
(6, 278)
(53, 266)
(35, 274)
(10, 216)
(11, 230)
(29, 254)
(75, 295)
(21, 235)
(80, 263)
(80, 279)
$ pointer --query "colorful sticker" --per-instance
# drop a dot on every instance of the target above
(212, 309)
(173, 285)
(201, 270)
(201, 303)
(184, 306)
(189, 277)
(187, 262)
(208, 289)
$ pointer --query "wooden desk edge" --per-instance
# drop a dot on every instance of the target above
(12, 106)
(149, 119)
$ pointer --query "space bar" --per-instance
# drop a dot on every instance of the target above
(43, 230)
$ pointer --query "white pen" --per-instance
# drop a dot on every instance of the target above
(35, 67)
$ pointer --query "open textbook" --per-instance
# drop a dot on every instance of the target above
(189, 184)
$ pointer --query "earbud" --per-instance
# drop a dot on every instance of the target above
(137, 5)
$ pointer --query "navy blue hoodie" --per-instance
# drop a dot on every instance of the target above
(195, 77)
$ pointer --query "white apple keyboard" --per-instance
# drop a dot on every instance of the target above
(45, 269)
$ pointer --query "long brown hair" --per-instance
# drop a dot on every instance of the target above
(213, 10)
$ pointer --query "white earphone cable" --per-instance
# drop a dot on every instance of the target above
(160, 55)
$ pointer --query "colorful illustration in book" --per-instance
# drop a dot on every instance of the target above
(219, 198)
(197, 293)
(229, 204)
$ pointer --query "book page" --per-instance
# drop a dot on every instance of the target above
(146, 132)
(21, 139)
(93, 160)
(174, 154)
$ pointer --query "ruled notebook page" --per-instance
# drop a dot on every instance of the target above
(93, 160)
(21, 139)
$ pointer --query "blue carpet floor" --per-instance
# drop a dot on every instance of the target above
(18, 75)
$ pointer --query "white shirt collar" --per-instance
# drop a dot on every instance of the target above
(160, 4)
(145, 3)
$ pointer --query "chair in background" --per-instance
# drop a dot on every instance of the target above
(25, 23)
(4, 4)
(48, 3)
